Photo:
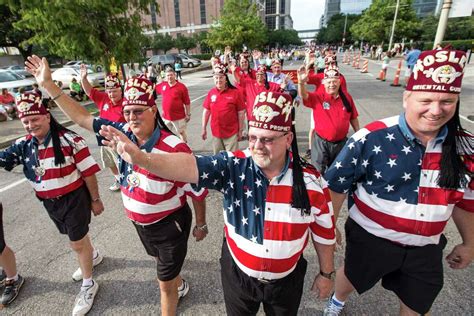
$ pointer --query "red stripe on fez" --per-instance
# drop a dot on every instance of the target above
(399, 224)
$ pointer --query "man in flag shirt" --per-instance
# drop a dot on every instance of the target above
(273, 204)
(225, 108)
(109, 104)
(406, 176)
(176, 106)
(333, 111)
(278, 77)
(61, 170)
(156, 206)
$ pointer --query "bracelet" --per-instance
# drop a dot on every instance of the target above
(203, 228)
(96, 199)
(56, 97)
(331, 275)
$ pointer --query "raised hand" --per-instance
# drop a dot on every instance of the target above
(117, 140)
(39, 68)
(302, 75)
(83, 71)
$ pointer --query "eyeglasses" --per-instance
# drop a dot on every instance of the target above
(135, 112)
(264, 140)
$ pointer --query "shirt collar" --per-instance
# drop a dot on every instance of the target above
(282, 172)
(150, 143)
(46, 140)
(406, 131)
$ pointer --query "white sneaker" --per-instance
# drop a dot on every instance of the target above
(77, 275)
(183, 289)
(85, 299)
(115, 186)
(332, 308)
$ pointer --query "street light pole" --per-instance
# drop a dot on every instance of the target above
(443, 22)
(393, 25)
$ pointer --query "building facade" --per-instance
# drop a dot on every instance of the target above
(331, 8)
(276, 14)
(354, 6)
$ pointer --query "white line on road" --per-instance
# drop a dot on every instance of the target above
(465, 118)
(202, 96)
(12, 185)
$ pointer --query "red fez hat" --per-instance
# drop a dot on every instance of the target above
(219, 69)
(331, 71)
(29, 103)
(112, 82)
(262, 69)
(138, 91)
(438, 71)
(272, 111)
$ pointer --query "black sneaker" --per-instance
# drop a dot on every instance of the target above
(12, 288)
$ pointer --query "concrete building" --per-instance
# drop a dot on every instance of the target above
(354, 6)
(331, 8)
(277, 14)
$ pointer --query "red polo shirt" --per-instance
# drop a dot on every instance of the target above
(173, 100)
(330, 117)
(317, 80)
(224, 107)
(108, 110)
(251, 89)
(6, 98)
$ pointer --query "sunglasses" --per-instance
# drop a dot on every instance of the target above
(264, 140)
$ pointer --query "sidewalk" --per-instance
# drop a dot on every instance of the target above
(12, 130)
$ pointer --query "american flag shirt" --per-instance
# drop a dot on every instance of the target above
(149, 198)
(392, 183)
(57, 180)
(265, 235)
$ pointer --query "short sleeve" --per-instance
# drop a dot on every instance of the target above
(11, 157)
(213, 170)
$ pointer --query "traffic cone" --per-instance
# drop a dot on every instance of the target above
(353, 60)
(348, 59)
(381, 76)
(358, 62)
(365, 66)
(396, 80)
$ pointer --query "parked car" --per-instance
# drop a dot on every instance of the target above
(77, 64)
(188, 61)
(165, 60)
(12, 81)
(19, 70)
(66, 74)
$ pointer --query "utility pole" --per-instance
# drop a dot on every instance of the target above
(344, 33)
(443, 22)
(393, 25)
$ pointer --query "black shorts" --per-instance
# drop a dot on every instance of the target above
(71, 213)
(167, 240)
(244, 294)
(2, 239)
(414, 274)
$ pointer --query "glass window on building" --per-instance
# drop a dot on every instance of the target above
(270, 7)
(282, 6)
(153, 15)
(177, 16)
(202, 8)
(270, 22)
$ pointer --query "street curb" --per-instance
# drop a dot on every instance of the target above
(8, 141)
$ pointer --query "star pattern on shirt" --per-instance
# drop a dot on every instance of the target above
(390, 136)
(351, 145)
(377, 149)
(204, 175)
(365, 163)
(245, 220)
(392, 162)
(406, 150)
(248, 193)
(338, 165)
(242, 177)
(256, 210)
(406, 176)
(378, 174)
(389, 188)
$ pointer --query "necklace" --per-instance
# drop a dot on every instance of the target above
(39, 168)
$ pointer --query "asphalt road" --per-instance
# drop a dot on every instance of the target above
(127, 275)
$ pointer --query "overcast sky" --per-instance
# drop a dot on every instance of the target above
(306, 13)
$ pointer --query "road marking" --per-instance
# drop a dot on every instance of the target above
(12, 185)
(370, 74)
(202, 96)
(465, 118)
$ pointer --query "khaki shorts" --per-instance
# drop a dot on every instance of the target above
(225, 144)
(109, 157)
(178, 127)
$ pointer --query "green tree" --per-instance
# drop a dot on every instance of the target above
(185, 43)
(11, 36)
(238, 25)
(201, 38)
(92, 30)
(458, 28)
(376, 22)
(163, 42)
(334, 32)
(283, 37)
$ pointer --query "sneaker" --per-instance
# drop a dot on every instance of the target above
(77, 275)
(85, 299)
(183, 289)
(12, 288)
(115, 186)
(332, 308)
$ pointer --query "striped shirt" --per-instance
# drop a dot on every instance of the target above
(265, 235)
(392, 180)
(148, 198)
(57, 180)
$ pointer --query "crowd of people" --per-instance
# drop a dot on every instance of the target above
(274, 200)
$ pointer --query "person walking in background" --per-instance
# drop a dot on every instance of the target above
(178, 66)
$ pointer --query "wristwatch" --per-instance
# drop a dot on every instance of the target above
(331, 275)
(203, 228)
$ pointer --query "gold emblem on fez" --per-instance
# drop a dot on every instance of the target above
(24, 106)
(445, 74)
(264, 113)
(133, 94)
